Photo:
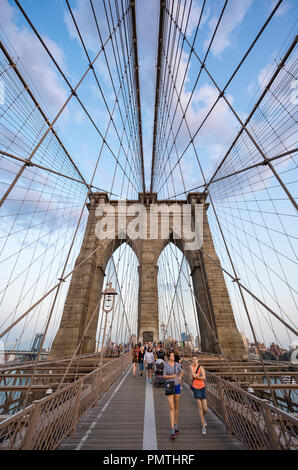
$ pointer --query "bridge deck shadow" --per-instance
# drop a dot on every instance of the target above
(117, 422)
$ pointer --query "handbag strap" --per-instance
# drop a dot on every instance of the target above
(196, 372)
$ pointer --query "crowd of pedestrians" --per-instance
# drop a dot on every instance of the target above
(151, 356)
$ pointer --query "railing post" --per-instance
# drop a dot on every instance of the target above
(99, 382)
(110, 376)
(27, 443)
(224, 407)
(76, 409)
(272, 437)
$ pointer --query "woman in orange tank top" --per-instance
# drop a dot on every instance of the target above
(199, 390)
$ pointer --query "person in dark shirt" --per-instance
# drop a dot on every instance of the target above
(141, 360)
(160, 354)
(177, 357)
(135, 355)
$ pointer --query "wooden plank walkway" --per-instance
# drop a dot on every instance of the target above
(117, 422)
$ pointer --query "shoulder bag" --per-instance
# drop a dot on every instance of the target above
(170, 384)
(192, 387)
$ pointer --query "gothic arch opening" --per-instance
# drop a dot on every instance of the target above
(119, 327)
(213, 309)
(176, 303)
(113, 261)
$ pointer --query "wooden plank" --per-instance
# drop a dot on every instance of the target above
(38, 376)
(259, 373)
(257, 386)
(20, 388)
(248, 367)
(190, 436)
(121, 424)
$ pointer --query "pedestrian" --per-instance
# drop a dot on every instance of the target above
(160, 354)
(141, 360)
(177, 357)
(135, 355)
(149, 359)
(172, 374)
(199, 390)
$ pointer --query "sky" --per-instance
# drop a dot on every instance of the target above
(241, 22)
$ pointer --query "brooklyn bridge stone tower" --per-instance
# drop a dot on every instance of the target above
(215, 315)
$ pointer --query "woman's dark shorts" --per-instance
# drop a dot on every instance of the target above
(150, 366)
(177, 390)
(199, 393)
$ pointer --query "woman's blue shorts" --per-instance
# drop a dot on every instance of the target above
(199, 393)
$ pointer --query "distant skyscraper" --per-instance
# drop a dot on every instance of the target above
(198, 342)
(37, 342)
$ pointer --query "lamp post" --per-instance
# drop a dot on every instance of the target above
(109, 296)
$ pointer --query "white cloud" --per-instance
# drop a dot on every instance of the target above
(264, 74)
(193, 18)
(251, 88)
(34, 58)
(232, 17)
(84, 18)
(212, 139)
(220, 123)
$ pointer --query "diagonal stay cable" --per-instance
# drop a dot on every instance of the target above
(37, 104)
(203, 66)
(95, 75)
(243, 125)
(128, 92)
(73, 93)
(255, 165)
(163, 82)
(231, 261)
(127, 116)
(209, 325)
(200, 71)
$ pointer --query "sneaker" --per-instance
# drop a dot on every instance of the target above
(205, 422)
(204, 431)
(172, 434)
(176, 429)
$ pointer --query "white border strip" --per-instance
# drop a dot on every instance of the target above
(149, 434)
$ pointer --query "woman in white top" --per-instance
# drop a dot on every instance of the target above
(149, 359)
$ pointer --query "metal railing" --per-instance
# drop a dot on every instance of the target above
(45, 423)
(255, 422)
